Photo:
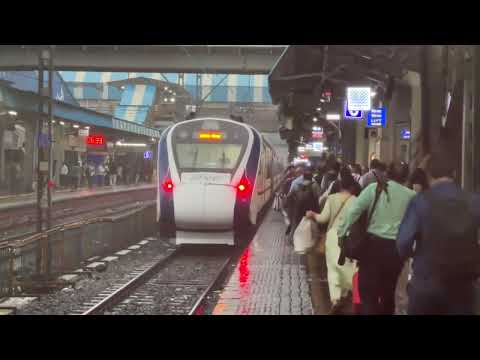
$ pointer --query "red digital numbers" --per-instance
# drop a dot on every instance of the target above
(96, 140)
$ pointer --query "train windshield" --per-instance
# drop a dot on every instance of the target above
(209, 145)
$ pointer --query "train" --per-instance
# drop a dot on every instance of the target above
(215, 176)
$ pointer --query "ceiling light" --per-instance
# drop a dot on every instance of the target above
(172, 99)
(76, 126)
(122, 87)
(87, 127)
(319, 109)
(12, 112)
(165, 88)
(333, 116)
(61, 123)
(53, 121)
(322, 100)
(119, 143)
(315, 119)
(165, 100)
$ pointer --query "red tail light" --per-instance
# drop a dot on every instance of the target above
(243, 186)
(167, 185)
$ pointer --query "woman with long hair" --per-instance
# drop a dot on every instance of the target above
(339, 277)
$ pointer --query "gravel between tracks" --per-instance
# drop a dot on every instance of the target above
(176, 288)
(65, 301)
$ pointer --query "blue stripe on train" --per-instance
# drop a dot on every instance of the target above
(167, 212)
(242, 206)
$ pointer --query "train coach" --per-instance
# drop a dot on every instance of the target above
(215, 176)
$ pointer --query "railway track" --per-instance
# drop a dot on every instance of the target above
(175, 284)
(20, 222)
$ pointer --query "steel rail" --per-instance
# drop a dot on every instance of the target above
(120, 294)
(209, 288)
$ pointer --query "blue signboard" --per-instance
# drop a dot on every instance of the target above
(147, 155)
(405, 134)
(352, 114)
(377, 117)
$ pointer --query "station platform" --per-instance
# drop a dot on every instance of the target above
(269, 279)
(22, 200)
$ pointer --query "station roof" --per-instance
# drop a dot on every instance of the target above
(16, 99)
(179, 90)
(221, 59)
(309, 69)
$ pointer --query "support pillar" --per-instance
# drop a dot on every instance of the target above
(433, 96)
(476, 118)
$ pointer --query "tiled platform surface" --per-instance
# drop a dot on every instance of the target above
(269, 278)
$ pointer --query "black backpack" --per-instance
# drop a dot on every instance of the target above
(449, 239)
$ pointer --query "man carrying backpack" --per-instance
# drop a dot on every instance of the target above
(301, 199)
(440, 230)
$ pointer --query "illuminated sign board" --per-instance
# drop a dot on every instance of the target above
(377, 117)
(317, 132)
(147, 155)
(210, 136)
(405, 134)
(317, 146)
(83, 132)
(96, 140)
(359, 98)
(352, 114)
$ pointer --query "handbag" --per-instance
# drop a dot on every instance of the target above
(353, 245)
(302, 237)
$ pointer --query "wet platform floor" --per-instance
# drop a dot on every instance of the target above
(271, 279)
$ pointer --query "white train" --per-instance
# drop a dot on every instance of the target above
(214, 178)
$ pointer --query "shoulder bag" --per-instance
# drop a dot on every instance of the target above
(353, 245)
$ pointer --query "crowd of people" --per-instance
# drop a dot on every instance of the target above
(423, 220)
(107, 173)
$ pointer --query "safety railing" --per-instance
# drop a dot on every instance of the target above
(36, 261)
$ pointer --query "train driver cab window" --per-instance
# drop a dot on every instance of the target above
(211, 146)
(208, 156)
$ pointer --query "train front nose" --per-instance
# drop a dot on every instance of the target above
(204, 206)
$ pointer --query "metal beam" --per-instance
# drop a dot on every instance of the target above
(156, 59)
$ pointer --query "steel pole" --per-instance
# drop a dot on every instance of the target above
(50, 140)
(39, 148)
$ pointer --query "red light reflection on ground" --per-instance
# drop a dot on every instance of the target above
(200, 310)
(243, 269)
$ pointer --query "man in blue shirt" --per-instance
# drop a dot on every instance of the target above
(438, 237)
(298, 180)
